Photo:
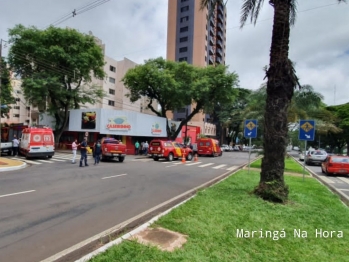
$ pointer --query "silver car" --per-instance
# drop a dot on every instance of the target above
(315, 157)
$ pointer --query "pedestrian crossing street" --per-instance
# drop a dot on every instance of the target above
(58, 157)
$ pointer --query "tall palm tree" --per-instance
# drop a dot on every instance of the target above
(281, 82)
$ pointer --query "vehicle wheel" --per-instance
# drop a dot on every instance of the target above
(156, 158)
(322, 170)
(9, 153)
(49, 156)
(189, 156)
(221, 153)
(170, 157)
(121, 158)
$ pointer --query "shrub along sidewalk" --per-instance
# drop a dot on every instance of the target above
(220, 223)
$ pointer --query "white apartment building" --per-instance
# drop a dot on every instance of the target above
(113, 87)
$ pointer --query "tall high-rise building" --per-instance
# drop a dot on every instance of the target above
(197, 37)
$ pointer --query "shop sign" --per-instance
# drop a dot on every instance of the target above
(119, 124)
(155, 129)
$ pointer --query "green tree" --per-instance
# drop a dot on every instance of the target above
(6, 98)
(281, 82)
(56, 66)
(232, 115)
(342, 114)
(177, 84)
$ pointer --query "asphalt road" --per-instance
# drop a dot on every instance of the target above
(338, 182)
(53, 204)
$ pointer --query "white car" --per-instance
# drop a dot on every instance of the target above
(296, 148)
(302, 155)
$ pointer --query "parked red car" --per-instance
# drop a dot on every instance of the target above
(335, 165)
(169, 150)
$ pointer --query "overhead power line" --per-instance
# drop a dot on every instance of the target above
(78, 11)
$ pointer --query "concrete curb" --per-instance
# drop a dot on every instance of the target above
(14, 167)
(61, 256)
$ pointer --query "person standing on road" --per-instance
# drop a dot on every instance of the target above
(74, 147)
(136, 148)
(146, 146)
(83, 151)
(97, 151)
(15, 145)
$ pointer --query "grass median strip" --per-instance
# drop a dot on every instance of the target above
(220, 221)
(291, 165)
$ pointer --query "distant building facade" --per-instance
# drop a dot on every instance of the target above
(199, 38)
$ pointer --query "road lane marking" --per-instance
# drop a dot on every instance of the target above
(232, 168)
(113, 176)
(59, 160)
(209, 164)
(19, 193)
(345, 180)
(44, 161)
(218, 167)
(195, 163)
(327, 180)
(31, 162)
(170, 166)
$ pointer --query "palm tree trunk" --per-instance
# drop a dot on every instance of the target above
(280, 87)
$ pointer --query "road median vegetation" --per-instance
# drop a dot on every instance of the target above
(226, 222)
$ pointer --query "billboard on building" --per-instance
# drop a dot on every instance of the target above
(88, 120)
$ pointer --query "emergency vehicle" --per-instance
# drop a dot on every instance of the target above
(208, 146)
(37, 142)
(169, 150)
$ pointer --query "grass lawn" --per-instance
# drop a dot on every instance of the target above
(291, 165)
(212, 218)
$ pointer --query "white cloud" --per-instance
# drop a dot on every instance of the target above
(136, 29)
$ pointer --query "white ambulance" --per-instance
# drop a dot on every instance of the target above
(37, 142)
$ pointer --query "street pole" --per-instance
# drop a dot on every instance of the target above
(186, 127)
(249, 156)
(305, 153)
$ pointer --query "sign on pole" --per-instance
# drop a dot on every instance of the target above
(250, 131)
(306, 130)
(250, 128)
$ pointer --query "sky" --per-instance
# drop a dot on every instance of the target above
(137, 30)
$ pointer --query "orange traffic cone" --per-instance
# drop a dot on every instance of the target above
(196, 157)
(183, 158)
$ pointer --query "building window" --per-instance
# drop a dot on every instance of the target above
(185, 8)
(112, 80)
(111, 91)
(181, 59)
(183, 49)
(184, 19)
(18, 92)
(111, 103)
(184, 29)
(112, 68)
(183, 39)
(18, 99)
(184, 1)
(16, 107)
(15, 115)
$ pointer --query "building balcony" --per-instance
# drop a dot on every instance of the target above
(220, 27)
(211, 31)
(219, 60)
(211, 51)
(220, 18)
(211, 40)
(220, 35)
(212, 21)
(220, 43)
(211, 60)
(219, 52)
(220, 9)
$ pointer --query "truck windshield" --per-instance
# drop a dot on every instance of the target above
(111, 142)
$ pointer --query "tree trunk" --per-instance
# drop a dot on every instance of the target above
(280, 87)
